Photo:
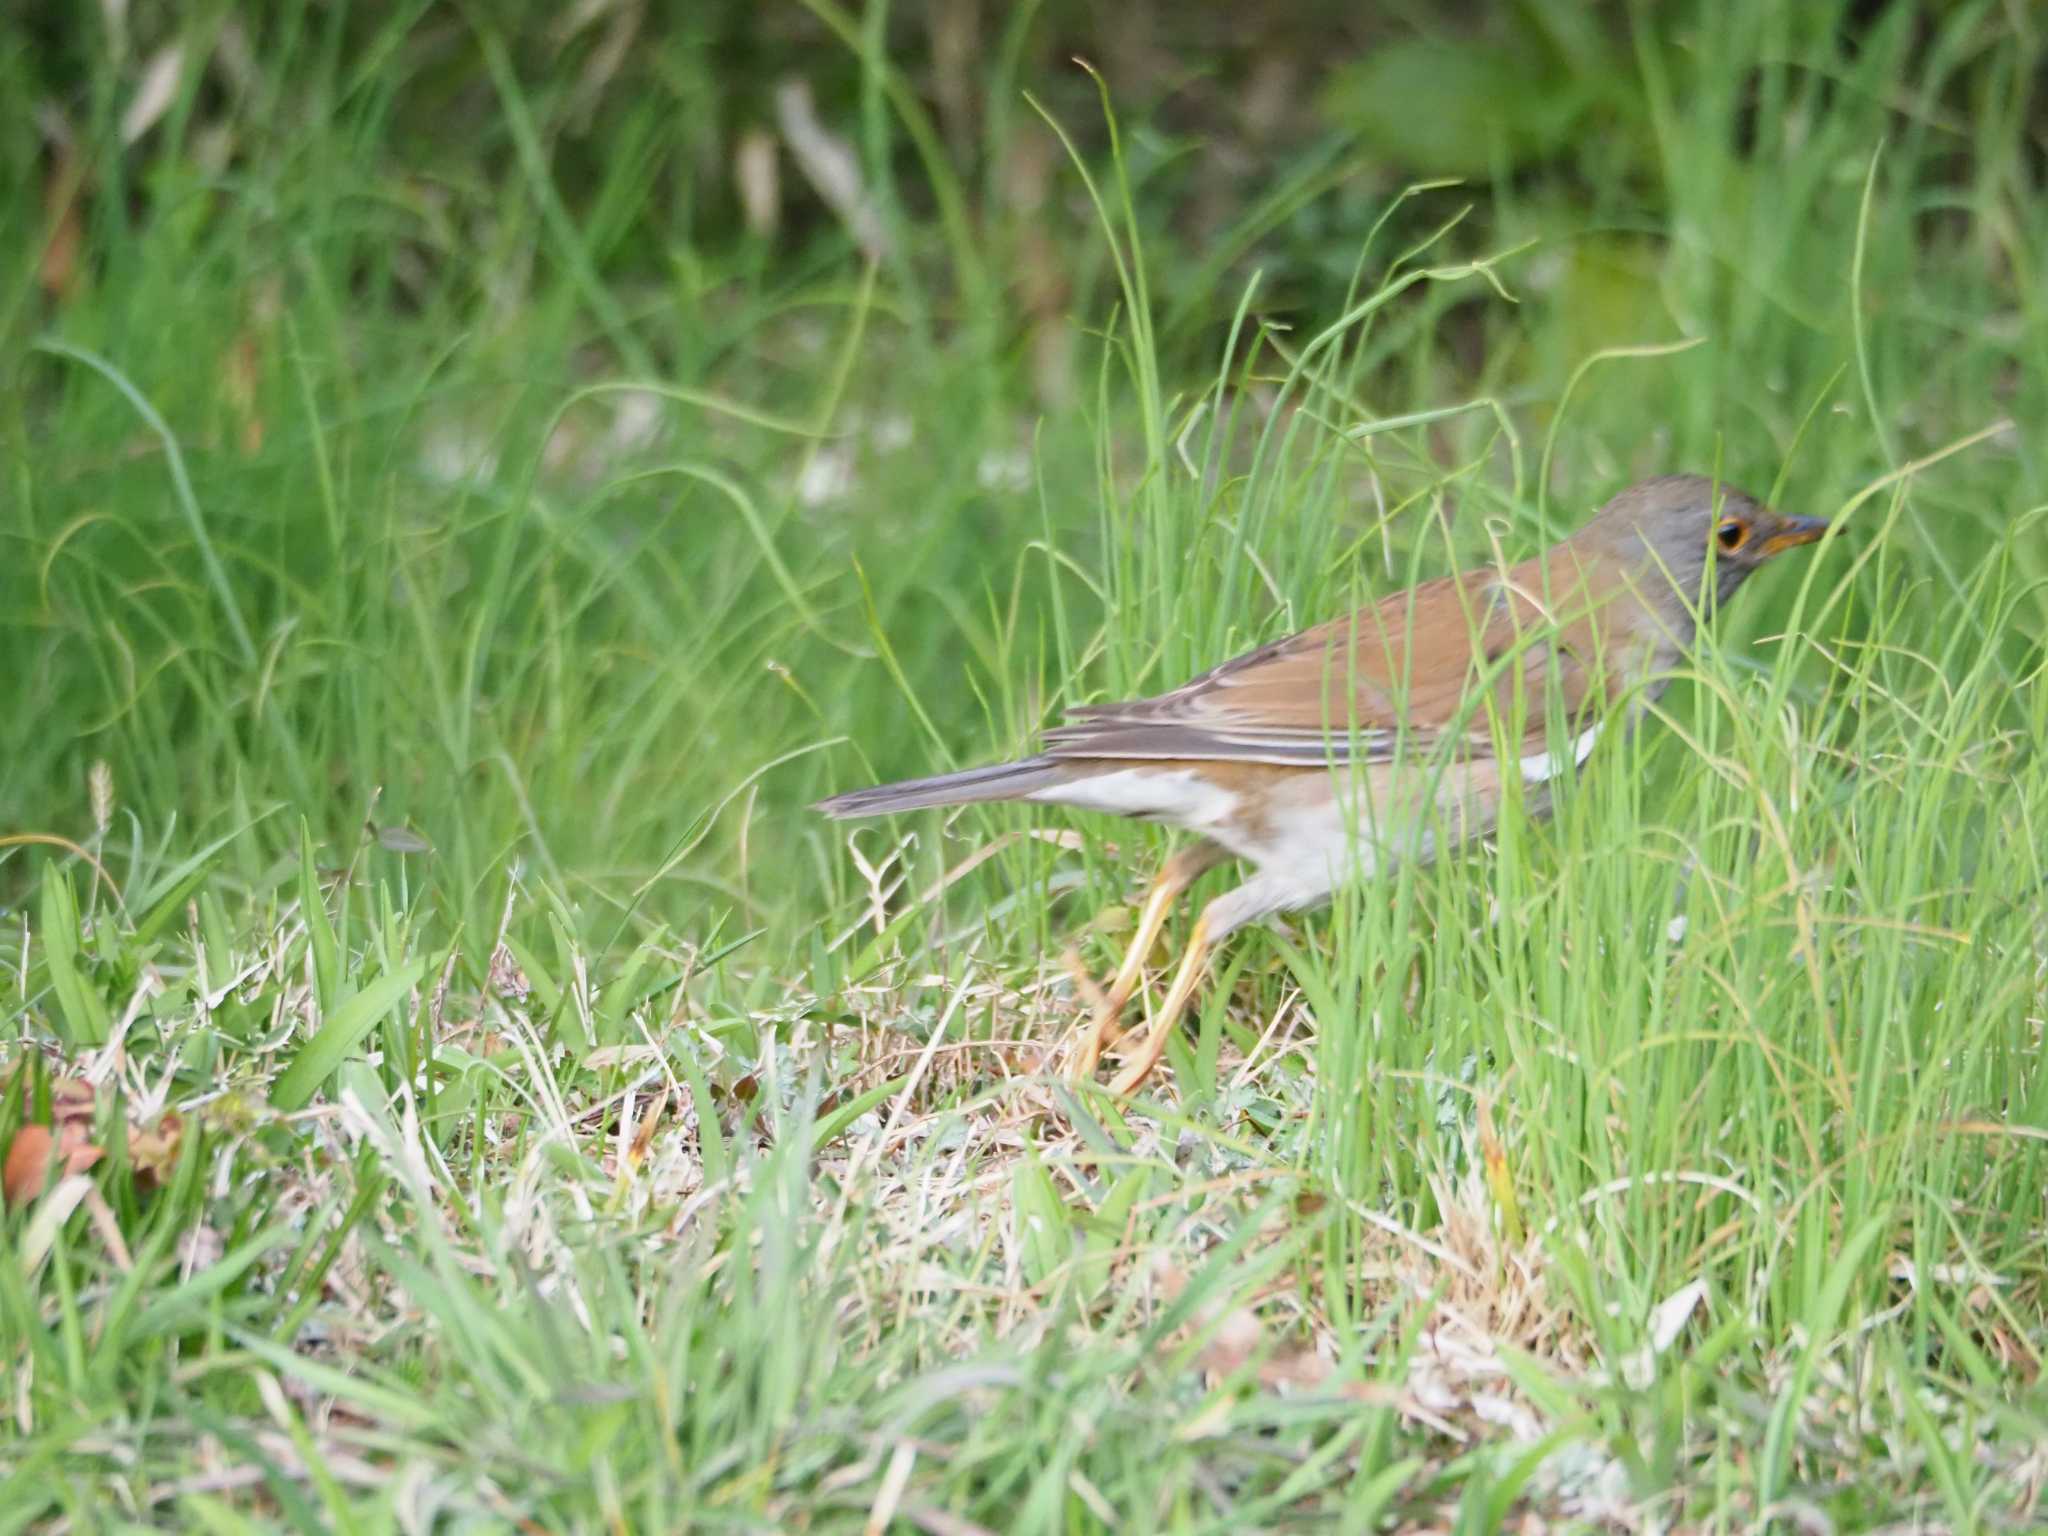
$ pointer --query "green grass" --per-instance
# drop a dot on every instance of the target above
(437, 569)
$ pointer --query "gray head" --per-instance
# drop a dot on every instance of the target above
(1688, 522)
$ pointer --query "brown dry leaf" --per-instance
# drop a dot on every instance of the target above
(153, 1152)
(240, 372)
(1240, 1339)
(643, 1133)
(63, 202)
(1237, 1339)
(34, 1148)
(71, 1101)
(505, 979)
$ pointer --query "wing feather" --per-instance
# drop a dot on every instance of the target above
(1357, 689)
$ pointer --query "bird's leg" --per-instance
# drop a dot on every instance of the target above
(1260, 896)
(1185, 980)
(1178, 873)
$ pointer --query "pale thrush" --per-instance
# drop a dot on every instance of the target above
(1333, 753)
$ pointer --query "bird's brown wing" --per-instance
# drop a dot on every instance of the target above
(1357, 689)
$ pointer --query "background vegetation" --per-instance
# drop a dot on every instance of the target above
(473, 474)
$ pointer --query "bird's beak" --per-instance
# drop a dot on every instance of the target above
(1792, 532)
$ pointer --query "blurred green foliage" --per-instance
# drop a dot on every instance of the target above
(1274, 132)
(372, 549)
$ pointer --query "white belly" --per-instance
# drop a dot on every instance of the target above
(1174, 795)
(1311, 831)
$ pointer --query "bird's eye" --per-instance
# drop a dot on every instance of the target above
(1732, 533)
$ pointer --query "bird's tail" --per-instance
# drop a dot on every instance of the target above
(1001, 781)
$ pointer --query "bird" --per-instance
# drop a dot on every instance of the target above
(1392, 733)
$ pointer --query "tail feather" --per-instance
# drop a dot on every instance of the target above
(1000, 781)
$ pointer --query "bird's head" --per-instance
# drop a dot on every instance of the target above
(1690, 526)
